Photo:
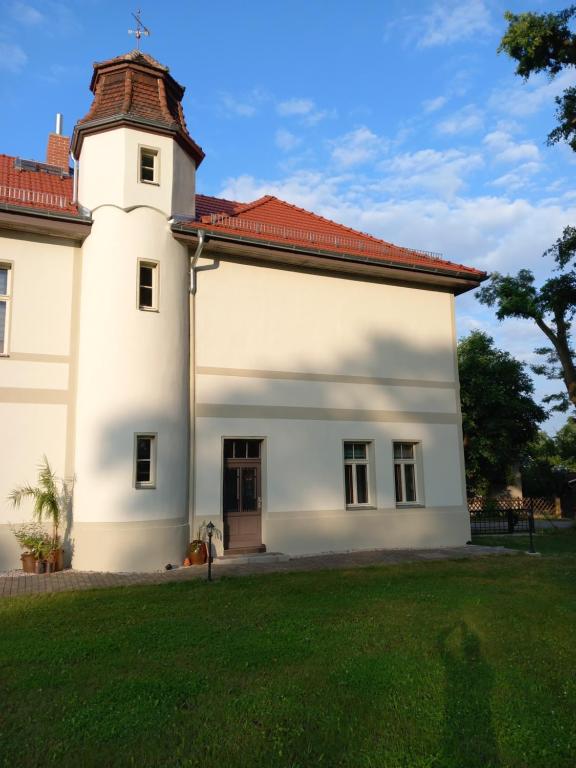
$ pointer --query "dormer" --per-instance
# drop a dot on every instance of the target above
(133, 146)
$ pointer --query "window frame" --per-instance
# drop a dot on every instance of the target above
(151, 483)
(155, 266)
(416, 463)
(154, 152)
(7, 299)
(368, 462)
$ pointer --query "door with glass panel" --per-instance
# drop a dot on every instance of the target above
(242, 496)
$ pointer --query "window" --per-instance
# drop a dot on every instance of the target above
(148, 285)
(405, 473)
(356, 473)
(5, 274)
(149, 161)
(145, 461)
(242, 449)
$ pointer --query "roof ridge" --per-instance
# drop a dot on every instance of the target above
(215, 197)
(257, 203)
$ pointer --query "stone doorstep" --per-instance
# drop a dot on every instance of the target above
(254, 559)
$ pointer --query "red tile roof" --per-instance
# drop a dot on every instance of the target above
(35, 188)
(271, 219)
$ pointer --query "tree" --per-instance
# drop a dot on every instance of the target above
(544, 42)
(548, 460)
(552, 308)
(499, 416)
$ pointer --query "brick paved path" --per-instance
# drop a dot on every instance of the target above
(16, 583)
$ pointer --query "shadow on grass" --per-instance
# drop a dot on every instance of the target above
(468, 738)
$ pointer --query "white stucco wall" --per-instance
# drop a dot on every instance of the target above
(109, 172)
(306, 361)
(35, 375)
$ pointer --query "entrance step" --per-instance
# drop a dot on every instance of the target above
(253, 559)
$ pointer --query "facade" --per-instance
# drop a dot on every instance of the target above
(181, 358)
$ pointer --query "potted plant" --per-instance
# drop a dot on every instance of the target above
(198, 551)
(36, 544)
(49, 498)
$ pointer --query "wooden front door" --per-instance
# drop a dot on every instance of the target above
(242, 496)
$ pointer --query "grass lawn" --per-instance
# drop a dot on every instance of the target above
(468, 663)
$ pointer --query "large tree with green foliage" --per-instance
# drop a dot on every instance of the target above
(544, 42)
(551, 307)
(499, 416)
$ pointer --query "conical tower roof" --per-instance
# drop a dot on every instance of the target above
(136, 90)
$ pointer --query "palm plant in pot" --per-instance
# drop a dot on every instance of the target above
(49, 498)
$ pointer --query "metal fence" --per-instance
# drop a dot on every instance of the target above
(501, 515)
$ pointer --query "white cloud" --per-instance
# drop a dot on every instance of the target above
(357, 147)
(432, 105)
(295, 107)
(26, 14)
(505, 149)
(518, 179)
(465, 120)
(429, 170)
(452, 22)
(246, 106)
(305, 109)
(12, 57)
(524, 98)
(286, 140)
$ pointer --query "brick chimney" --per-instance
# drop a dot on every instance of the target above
(58, 150)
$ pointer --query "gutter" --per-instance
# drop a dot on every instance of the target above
(179, 228)
(44, 214)
(192, 401)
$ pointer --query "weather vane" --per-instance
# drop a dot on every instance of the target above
(140, 29)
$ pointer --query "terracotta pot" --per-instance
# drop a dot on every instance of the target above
(198, 553)
(56, 560)
(39, 566)
(28, 563)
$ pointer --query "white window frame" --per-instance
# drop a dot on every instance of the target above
(7, 299)
(155, 267)
(153, 152)
(151, 482)
(416, 462)
(368, 462)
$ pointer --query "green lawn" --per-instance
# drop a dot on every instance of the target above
(467, 664)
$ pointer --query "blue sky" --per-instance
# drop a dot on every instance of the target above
(396, 118)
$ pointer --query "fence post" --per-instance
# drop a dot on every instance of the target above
(531, 525)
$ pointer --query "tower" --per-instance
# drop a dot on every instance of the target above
(136, 173)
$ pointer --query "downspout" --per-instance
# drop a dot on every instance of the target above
(192, 405)
(76, 168)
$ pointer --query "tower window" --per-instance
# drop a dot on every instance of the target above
(145, 461)
(148, 285)
(149, 165)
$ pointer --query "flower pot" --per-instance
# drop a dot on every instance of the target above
(39, 566)
(28, 562)
(198, 553)
(56, 560)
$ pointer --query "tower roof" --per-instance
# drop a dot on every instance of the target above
(134, 89)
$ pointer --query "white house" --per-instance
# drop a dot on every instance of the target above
(185, 358)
